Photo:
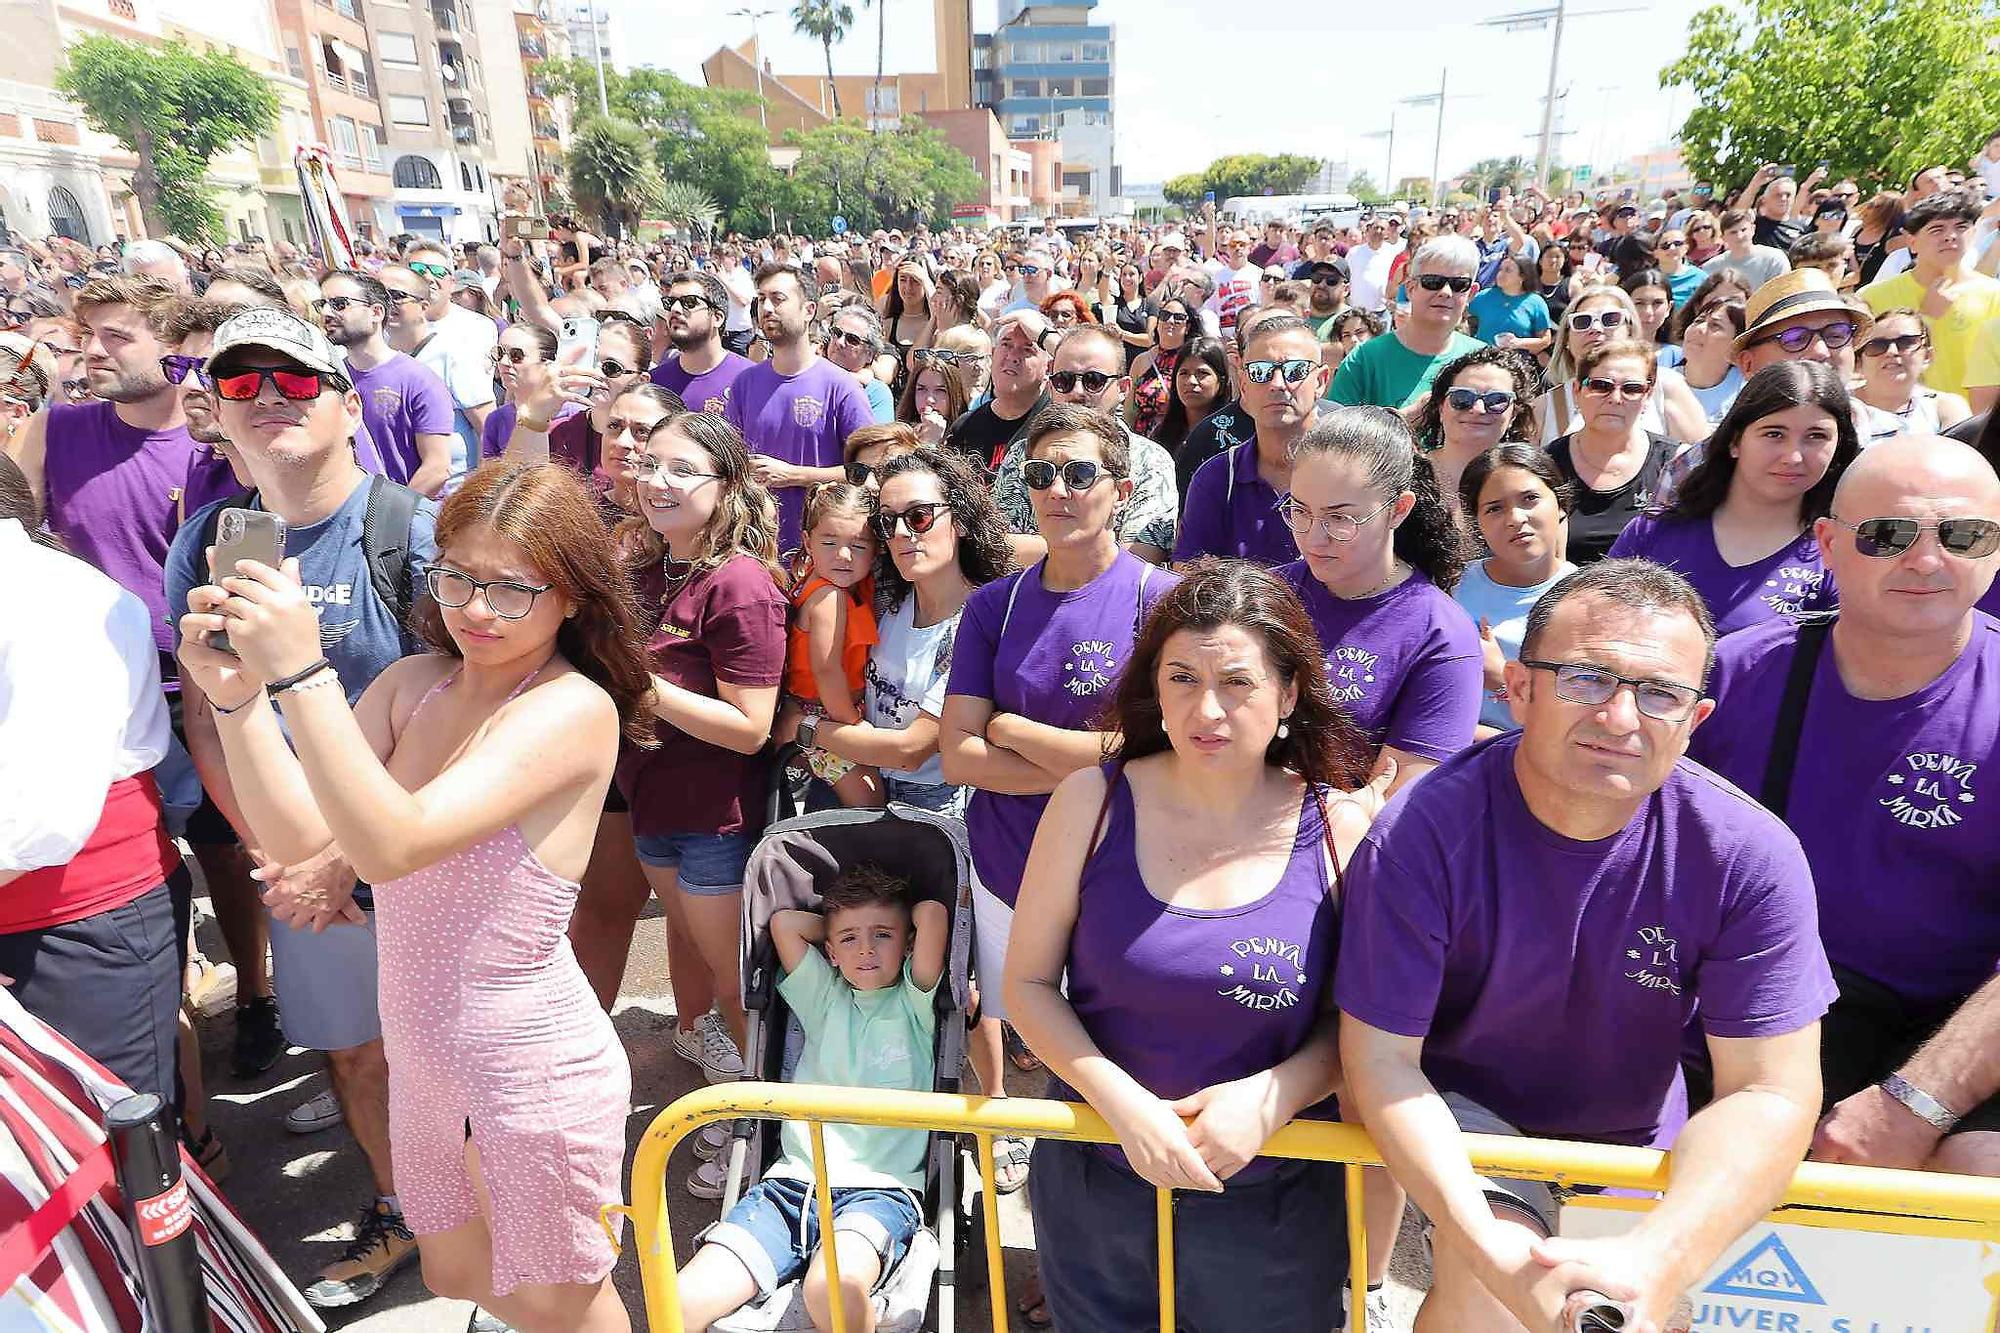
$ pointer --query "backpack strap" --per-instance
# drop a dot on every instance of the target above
(1776, 791)
(385, 544)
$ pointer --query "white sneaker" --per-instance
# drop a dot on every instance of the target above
(1380, 1318)
(719, 1059)
(687, 1044)
(310, 1117)
(713, 1139)
(706, 1180)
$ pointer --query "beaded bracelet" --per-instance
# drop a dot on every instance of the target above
(325, 676)
(278, 687)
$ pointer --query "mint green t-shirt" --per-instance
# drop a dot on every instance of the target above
(1384, 373)
(859, 1039)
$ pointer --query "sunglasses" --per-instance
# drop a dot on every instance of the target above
(178, 369)
(919, 518)
(689, 302)
(1490, 403)
(612, 370)
(1030, 270)
(1901, 345)
(924, 356)
(857, 474)
(1673, 245)
(1627, 390)
(1295, 371)
(338, 303)
(1328, 280)
(1884, 538)
(1836, 336)
(399, 296)
(1093, 381)
(1079, 474)
(1437, 282)
(507, 599)
(517, 356)
(1583, 321)
(1170, 317)
(241, 386)
(436, 272)
(845, 338)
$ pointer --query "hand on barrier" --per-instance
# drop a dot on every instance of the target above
(1229, 1123)
(1871, 1128)
(1157, 1145)
(1613, 1285)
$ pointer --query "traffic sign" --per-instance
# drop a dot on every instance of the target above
(839, 225)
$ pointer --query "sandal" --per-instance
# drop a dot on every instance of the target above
(1010, 1164)
(1033, 1306)
(209, 1154)
(1024, 1059)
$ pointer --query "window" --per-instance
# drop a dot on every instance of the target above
(1097, 53)
(465, 177)
(1025, 53)
(1062, 88)
(1062, 53)
(295, 64)
(1096, 87)
(1024, 88)
(66, 216)
(346, 141)
(396, 48)
(371, 147)
(417, 173)
(409, 110)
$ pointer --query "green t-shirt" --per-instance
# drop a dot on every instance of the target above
(859, 1039)
(1384, 373)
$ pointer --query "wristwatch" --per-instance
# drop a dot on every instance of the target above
(808, 733)
(1920, 1103)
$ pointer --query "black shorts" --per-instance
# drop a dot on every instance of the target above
(111, 983)
(205, 827)
(1870, 1033)
(615, 802)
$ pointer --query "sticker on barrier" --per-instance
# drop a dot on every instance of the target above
(165, 1216)
(1795, 1277)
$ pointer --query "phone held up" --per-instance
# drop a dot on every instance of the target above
(244, 534)
(524, 227)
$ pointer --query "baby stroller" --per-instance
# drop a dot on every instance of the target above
(794, 859)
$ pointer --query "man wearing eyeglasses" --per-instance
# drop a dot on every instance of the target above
(1956, 302)
(284, 400)
(464, 362)
(407, 408)
(701, 370)
(1037, 274)
(1396, 369)
(1876, 740)
(1329, 287)
(1581, 877)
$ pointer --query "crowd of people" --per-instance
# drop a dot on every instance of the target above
(1520, 669)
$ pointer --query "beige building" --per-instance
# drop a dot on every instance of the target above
(432, 86)
(326, 44)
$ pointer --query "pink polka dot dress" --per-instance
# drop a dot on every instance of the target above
(487, 1017)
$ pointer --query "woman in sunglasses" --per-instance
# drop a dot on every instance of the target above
(590, 379)
(1616, 464)
(521, 345)
(707, 555)
(1892, 363)
(1597, 316)
(1037, 660)
(1153, 369)
(1704, 237)
(1482, 399)
(1740, 527)
(464, 784)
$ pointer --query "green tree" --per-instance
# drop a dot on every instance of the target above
(612, 173)
(826, 22)
(175, 111)
(1185, 190)
(1244, 173)
(1876, 88)
(1514, 173)
(1363, 187)
(688, 207)
(893, 178)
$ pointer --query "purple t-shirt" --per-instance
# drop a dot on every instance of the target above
(1552, 980)
(1051, 657)
(1790, 581)
(1405, 663)
(400, 400)
(499, 427)
(1888, 797)
(1181, 998)
(117, 494)
(1990, 603)
(803, 419)
(708, 391)
(1233, 512)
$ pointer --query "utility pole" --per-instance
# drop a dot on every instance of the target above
(597, 58)
(1528, 20)
(1437, 144)
(756, 15)
(1389, 159)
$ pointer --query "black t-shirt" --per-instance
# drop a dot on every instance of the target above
(1630, 253)
(982, 435)
(1224, 428)
(1600, 516)
(1780, 236)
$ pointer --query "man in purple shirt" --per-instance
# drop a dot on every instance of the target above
(408, 409)
(1528, 932)
(1889, 751)
(693, 307)
(797, 409)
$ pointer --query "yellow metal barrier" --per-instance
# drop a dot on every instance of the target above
(1868, 1191)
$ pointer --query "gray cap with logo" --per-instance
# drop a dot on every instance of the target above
(279, 331)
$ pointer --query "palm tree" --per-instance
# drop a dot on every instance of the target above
(881, 45)
(827, 21)
(688, 207)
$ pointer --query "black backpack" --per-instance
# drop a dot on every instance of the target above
(385, 540)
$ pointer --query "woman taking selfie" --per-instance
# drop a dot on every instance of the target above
(466, 785)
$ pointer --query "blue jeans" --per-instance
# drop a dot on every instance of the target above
(774, 1229)
(711, 864)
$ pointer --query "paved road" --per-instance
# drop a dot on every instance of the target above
(302, 1194)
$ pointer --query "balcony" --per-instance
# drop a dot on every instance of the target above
(345, 8)
(546, 131)
(534, 50)
(464, 134)
(538, 90)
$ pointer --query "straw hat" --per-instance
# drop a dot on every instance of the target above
(1803, 291)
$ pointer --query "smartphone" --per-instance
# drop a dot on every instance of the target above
(1493, 195)
(244, 534)
(1823, 166)
(578, 331)
(1787, 169)
(524, 227)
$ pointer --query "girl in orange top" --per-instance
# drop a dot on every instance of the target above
(833, 627)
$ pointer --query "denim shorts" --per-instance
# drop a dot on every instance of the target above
(711, 864)
(774, 1229)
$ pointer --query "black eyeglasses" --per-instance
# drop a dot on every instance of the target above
(919, 518)
(177, 369)
(1437, 282)
(1327, 280)
(1836, 336)
(1295, 371)
(337, 304)
(858, 474)
(1626, 390)
(849, 339)
(1886, 538)
(1173, 317)
(1079, 474)
(1594, 687)
(505, 598)
(689, 302)
(1902, 345)
(1467, 400)
(1093, 381)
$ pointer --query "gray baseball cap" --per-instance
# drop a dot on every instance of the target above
(280, 331)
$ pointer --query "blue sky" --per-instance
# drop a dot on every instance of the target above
(1196, 80)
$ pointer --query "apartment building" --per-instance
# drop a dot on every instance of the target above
(1048, 72)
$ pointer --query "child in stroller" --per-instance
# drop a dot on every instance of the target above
(869, 1016)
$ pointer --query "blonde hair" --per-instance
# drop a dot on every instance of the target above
(745, 521)
(1562, 366)
(964, 339)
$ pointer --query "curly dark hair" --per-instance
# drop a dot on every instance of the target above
(1321, 743)
(983, 550)
(1775, 388)
(1379, 439)
(1520, 368)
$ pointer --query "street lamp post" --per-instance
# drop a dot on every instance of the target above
(1437, 144)
(1528, 20)
(1388, 158)
(597, 58)
(755, 16)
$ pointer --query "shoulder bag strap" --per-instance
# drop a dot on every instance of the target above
(1784, 756)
